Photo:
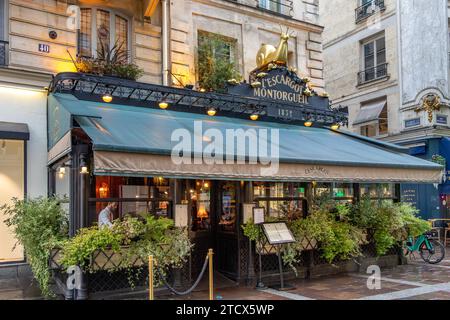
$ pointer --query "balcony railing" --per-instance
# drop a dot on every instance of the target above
(368, 9)
(3, 53)
(372, 74)
(281, 7)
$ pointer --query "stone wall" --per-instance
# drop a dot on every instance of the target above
(250, 28)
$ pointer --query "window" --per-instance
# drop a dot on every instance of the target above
(136, 197)
(102, 28)
(273, 5)
(220, 47)
(3, 37)
(374, 61)
(12, 185)
(373, 119)
(285, 200)
(378, 191)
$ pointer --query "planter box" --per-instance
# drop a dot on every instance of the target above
(104, 260)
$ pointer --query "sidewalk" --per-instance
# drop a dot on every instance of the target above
(17, 283)
(415, 281)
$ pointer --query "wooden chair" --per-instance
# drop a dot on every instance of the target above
(436, 229)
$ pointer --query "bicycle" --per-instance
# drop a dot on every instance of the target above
(431, 250)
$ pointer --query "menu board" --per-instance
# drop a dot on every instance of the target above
(259, 215)
(278, 233)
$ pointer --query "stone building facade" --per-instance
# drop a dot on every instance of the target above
(388, 62)
(39, 38)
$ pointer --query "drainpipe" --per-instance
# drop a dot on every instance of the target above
(165, 41)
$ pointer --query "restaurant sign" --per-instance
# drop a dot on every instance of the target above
(281, 85)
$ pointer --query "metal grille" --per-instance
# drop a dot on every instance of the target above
(372, 74)
(368, 9)
(3, 53)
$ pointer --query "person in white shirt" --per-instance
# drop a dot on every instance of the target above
(106, 216)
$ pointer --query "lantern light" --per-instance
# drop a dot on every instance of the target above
(84, 170)
(211, 112)
(254, 117)
(163, 105)
(107, 98)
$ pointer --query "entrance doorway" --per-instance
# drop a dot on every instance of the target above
(215, 209)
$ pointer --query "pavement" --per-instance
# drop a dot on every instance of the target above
(414, 281)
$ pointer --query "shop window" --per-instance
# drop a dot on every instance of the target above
(110, 29)
(136, 197)
(283, 200)
(12, 185)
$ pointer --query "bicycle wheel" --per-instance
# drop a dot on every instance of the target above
(435, 255)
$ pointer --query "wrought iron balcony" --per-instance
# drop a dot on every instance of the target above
(280, 7)
(368, 9)
(3, 53)
(372, 74)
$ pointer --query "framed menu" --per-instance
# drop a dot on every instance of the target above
(278, 233)
(259, 215)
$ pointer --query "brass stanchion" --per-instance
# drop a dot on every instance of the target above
(150, 278)
(211, 275)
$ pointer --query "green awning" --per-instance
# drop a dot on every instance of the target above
(133, 140)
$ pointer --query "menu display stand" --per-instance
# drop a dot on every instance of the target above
(259, 215)
(277, 233)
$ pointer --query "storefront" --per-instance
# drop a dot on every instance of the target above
(123, 151)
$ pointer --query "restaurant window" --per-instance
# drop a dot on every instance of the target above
(200, 197)
(281, 199)
(374, 60)
(378, 191)
(136, 197)
(12, 185)
(227, 221)
(343, 192)
(62, 186)
(99, 26)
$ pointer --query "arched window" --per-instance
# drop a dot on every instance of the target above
(102, 27)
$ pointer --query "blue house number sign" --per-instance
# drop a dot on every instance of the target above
(44, 48)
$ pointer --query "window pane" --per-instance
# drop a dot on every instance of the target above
(369, 56)
(383, 121)
(201, 206)
(103, 30)
(12, 177)
(122, 33)
(85, 37)
(229, 210)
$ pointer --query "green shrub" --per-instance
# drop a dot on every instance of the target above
(39, 225)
